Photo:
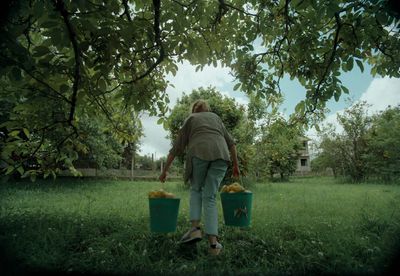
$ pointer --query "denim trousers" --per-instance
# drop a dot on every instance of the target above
(205, 181)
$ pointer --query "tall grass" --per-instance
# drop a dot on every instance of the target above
(307, 226)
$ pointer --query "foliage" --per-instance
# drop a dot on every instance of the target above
(383, 138)
(86, 58)
(367, 147)
(330, 153)
(355, 123)
(278, 148)
(34, 144)
(233, 116)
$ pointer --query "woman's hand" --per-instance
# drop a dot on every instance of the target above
(236, 171)
(163, 176)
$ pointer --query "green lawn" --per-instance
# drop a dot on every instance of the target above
(307, 226)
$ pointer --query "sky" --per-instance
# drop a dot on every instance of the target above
(378, 92)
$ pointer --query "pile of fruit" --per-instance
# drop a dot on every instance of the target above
(234, 188)
(160, 194)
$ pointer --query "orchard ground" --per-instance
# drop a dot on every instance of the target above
(305, 226)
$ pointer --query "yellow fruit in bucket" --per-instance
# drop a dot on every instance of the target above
(233, 188)
(160, 194)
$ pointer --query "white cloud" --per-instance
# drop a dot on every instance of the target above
(154, 140)
(188, 79)
(381, 93)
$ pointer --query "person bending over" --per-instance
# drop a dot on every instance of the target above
(209, 148)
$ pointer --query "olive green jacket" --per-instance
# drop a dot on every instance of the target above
(203, 135)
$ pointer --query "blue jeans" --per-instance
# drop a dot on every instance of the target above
(205, 181)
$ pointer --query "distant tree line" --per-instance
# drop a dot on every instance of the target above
(368, 147)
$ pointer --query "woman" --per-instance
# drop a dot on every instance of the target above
(208, 146)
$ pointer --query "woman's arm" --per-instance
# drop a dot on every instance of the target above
(233, 152)
(177, 149)
(170, 159)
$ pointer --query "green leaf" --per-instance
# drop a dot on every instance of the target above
(160, 121)
(48, 24)
(14, 133)
(236, 87)
(332, 8)
(40, 51)
(360, 64)
(349, 64)
(26, 132)
(26, 174)
(373, 71)
(64, 88)
(337, 95)
(345, 90)
(20, 169)
(10, 169)
(16, 74)
(102, 85)
(301, 4)
(300, 107)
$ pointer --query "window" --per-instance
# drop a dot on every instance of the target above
(304, 144)
(303, 162)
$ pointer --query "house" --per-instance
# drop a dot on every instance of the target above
(303, 161)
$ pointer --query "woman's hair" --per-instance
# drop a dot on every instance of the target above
(200, 106)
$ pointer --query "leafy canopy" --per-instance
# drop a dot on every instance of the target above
(62, 60)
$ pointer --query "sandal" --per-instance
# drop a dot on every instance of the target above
(215, 249)
(191, 236)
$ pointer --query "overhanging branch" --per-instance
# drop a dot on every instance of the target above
(330, 61)
(60, 6)
(157, 38)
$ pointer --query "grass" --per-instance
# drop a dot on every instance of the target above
(306, 226)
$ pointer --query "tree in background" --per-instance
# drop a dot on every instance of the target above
(330, 153)
(231, 113)
(383, 155)
(355, 122)
(108, 58)
(367, 147)
(277, 147)
(345, 152)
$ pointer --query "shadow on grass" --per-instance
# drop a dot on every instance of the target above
(188, 252)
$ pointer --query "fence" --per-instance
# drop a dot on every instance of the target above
(121, 173)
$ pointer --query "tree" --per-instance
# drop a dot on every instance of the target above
(345, 152)
(233, 116)
(367, 147)
(330, 153)
(383, 155)
(80, 57)
(278, 147)
(355, 123)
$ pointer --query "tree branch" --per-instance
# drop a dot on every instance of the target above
(184, 5)
(32, 75)
(60, 6)
(157, 38)
(126, 10)
(237, 9)
(331, 59)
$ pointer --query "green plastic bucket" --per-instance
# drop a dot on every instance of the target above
(163, 214)
(237, 208)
